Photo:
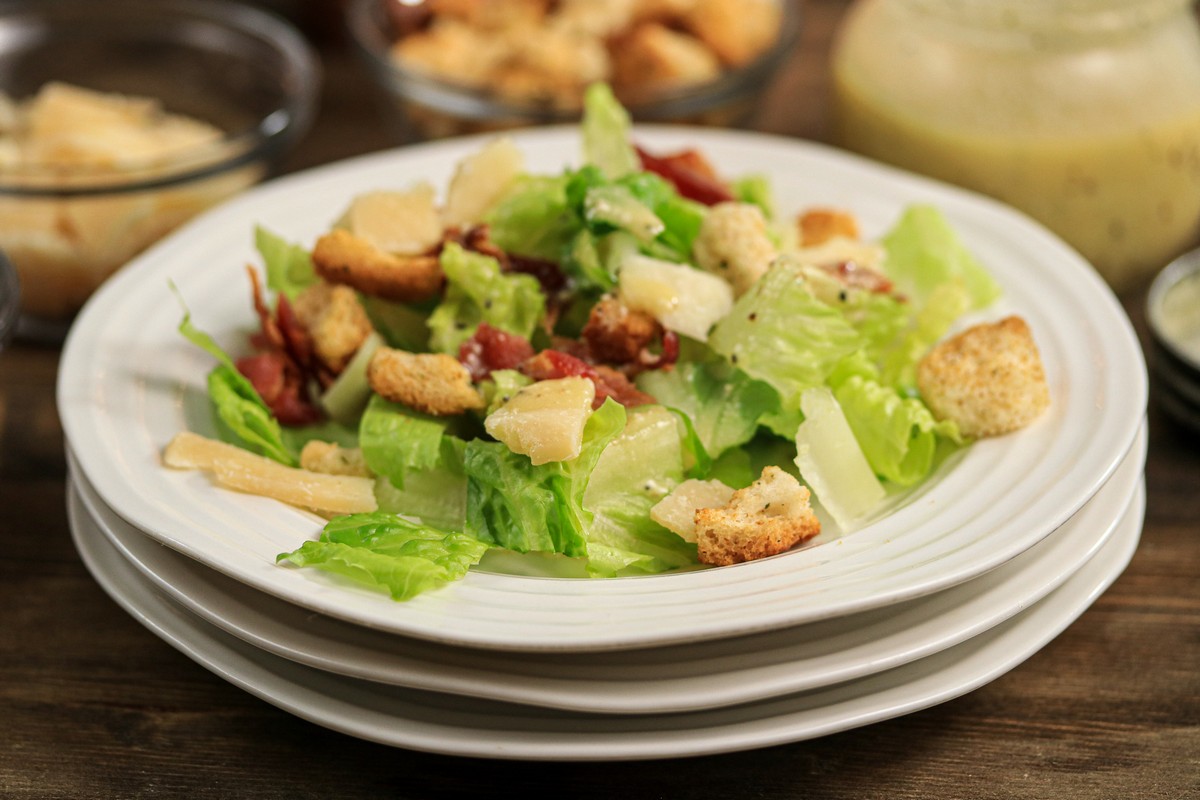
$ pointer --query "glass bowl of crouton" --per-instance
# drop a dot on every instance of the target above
(451, 67)
(121, 120)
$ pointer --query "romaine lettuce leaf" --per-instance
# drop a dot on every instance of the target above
(898, 435)
(477, 291)
(831, 461)
(437, 496)
(289, 266)
(534, 218)
(635, 471)
(780, 333)
(243, 418)
(605, 128)
(724, 404)
(525, 508)
(397, 440)
(385, 551)
(923, 252)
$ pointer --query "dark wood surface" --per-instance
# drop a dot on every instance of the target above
(92, 705)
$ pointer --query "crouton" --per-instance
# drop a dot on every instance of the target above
(328, 458)
(737, 30)
(341, 257)
(491, 14)
(433, 383)
(454, 50)
(677, 511)
(616, 334)
(335, 321)
(819, 225)
(733, 243)
(550, 65)
(589, 18)
(657, 57)
(988, 379)
(768, 517)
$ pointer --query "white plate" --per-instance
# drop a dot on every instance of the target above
(649, 681)
(464, 726)
(129, 382)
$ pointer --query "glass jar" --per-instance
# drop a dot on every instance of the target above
(1085, 114)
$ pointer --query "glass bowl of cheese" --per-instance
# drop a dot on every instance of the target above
(121, 120)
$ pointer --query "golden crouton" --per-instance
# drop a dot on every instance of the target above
(616, 334)
(819, 225)
(492, 14)
(768, 517)
(433, 383)
(988, 379)
(599, 20)
(551, 65)
(733, 243)
(737, 30)
(335, 321)
(331, 459)
(341, 257)
(454, 50)
(656, 56)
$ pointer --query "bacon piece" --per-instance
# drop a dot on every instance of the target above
(490, 349)
(553, 364)
(691, 173)
(280, 387)
(281, 372)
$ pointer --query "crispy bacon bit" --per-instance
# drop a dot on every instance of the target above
(280, 386)
(856, 276)
(490, 349)
(282, 371)
(553, 364)
(690, 171)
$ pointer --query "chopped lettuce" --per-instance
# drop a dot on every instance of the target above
(636, 470)
(396, 440)
(923, 252)
(605, 128)
(831, 461)
(534, 218)
(437, 496)
(724, 404)
(898, 435)
(387, 552)
(525, 508)
(289, 266)
(478, 291)
(780, 333)
(242, 416)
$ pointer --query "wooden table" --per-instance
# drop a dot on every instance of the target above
(92, 705)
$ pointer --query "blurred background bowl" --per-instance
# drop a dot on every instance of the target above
(419, 104)
(67, 226)
(1173, 317)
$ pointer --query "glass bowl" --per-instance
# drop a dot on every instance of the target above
(419, 106)
(1173, 317)
(69, 218)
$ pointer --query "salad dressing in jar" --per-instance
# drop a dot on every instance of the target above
(1085, 114)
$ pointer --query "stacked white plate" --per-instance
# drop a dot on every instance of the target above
(962, 579)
